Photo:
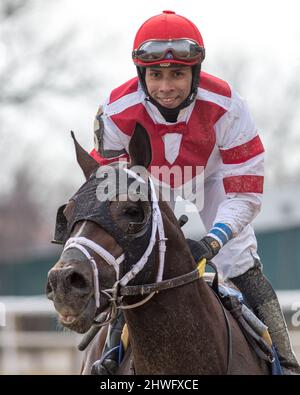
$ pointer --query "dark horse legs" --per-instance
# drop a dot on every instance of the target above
(262, 298)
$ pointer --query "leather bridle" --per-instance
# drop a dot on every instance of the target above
(120, 287)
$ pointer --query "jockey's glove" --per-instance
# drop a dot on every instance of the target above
(210, 245)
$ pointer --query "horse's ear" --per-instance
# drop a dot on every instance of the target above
(140, 150)
(85, 161)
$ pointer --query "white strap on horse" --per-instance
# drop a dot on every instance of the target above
(94, 268)
(157, 226)
(80, 243)
(110, 259)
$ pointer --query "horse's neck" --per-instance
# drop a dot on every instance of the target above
(177, 330)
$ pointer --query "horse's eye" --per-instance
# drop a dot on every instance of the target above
(132, 211)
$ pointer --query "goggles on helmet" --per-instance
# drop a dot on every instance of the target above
(184, 50)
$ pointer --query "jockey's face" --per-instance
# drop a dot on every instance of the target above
(169, 86)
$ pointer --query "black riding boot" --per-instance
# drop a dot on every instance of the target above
(109, 361)
(262, 298)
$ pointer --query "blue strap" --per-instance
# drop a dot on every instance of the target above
(221, 235)
(225, 290)
(275, 365)
(121, 352)
(110, 351)
(225, 228)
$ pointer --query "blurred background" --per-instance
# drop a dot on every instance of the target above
(59, 59)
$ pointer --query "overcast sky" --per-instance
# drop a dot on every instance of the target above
(267, 28)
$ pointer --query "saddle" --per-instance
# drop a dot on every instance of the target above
(254, 330)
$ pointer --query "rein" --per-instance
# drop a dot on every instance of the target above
(121, 289)
(116, 293)
(82, 243)
(166, 284)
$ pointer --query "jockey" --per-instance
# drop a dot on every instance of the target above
(195, 119)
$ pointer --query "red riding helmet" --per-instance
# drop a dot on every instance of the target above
(168, 38)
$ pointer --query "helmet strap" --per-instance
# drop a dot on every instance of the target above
(171, 114)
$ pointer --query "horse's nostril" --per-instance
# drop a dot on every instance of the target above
(51, 284)
(49, 290)
(76, 280)
(48, 287)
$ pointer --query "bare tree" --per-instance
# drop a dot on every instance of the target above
(33, 66)
(21, 225)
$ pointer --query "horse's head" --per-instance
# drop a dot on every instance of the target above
(108, 230)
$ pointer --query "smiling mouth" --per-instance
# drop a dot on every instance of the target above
(168, 99)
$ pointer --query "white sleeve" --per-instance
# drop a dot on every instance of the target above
(242, 168)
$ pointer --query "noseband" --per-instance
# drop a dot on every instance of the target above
(82, 243)
(120, 288)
